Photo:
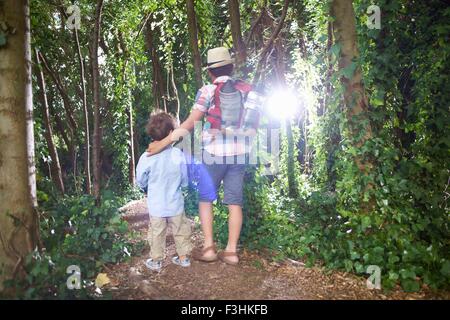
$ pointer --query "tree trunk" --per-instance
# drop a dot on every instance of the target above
(345, 34)
(29, 106)
(175, 92)
(18, 232)
(66, 101)
(55, 166)
(193, 39)
(235, 23)
(292, 187)
(356, 103)
(328, 86)
(87, 159)
(72, 125)
(269, 45)
(132, 164)
(299, 7)
(136, 143)
(127, 97)
(158, 79)
(280, 70)
(59, 124)
(96, 146)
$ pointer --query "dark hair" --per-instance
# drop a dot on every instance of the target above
(225, 70)
(160, 125)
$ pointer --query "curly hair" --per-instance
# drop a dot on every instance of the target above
(160, 125)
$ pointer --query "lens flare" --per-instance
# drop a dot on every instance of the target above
(282, 104)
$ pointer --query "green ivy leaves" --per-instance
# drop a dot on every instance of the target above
(78, 233)
(349, 70)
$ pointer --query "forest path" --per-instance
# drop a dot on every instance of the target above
(254, 278)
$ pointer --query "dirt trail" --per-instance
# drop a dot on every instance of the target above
(254, 278)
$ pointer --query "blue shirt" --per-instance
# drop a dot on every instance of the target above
(163, 175)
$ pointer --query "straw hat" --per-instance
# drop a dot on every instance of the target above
(218, 57)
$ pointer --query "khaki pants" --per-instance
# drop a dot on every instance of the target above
(181, 230)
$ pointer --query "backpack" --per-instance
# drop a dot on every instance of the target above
(228, 112)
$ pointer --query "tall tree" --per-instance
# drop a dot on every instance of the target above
(60, 128)
(356, 102)
(63, 91)
(280, 71)
(96, 146)
(72, 125)
(235, 23)
(126, 56)
(18, 232)
(193, 39)
(55, 165)
(175, 92)
(132, 162)
(29, 107)
(87, 157)
(158, 79)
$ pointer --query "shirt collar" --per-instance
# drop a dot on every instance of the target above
(221, 79)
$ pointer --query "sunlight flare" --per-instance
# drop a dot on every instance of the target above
(282, 104)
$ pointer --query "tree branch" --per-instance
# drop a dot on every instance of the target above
(272, 39)
(62, 91)
(255, 23)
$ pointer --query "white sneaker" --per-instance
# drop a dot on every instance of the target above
(186, 262)
(153, 265)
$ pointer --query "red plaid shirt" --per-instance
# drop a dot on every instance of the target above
(218, 144)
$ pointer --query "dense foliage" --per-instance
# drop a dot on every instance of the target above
(75, 232)
(400, 223)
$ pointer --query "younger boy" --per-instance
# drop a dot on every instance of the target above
(163, 175)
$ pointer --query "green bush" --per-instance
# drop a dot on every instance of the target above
(410, 247)
(74, 231)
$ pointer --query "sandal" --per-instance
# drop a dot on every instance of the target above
(223, 256)
(201, 256)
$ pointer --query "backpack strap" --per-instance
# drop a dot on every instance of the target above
(243, 86)
(214, 115)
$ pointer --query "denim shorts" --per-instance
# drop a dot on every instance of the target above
(223, 169)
